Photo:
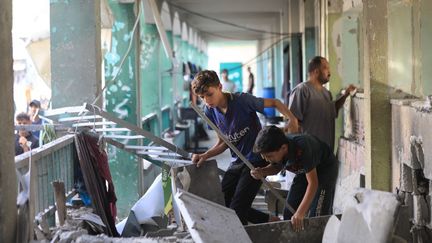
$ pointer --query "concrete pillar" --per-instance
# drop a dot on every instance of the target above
(8, 190)
(377, 93)
(296, 50)
(75, 52)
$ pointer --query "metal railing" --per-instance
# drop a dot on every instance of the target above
(48, 163)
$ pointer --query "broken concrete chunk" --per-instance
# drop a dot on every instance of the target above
(202, 181)
(331, 230)
(353, 228)
(208, 221)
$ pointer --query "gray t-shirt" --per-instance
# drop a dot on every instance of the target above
(315, 110)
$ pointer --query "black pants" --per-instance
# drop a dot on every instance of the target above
(322, 203)
(240, 189)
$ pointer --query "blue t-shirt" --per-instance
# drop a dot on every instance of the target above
(240, 123)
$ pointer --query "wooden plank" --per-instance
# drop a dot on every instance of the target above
(240, 155)
(60, 198)
(137, 130)
(208, 221)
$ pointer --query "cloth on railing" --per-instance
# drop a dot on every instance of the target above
(97, 178)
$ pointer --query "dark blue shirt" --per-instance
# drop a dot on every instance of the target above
(306, 152)
(240, 123)
(31, 138)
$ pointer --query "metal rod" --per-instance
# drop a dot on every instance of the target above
(138, 147)
(140, 131)
(147, 152)
(79, 118)
(240, 155)
(87, 124)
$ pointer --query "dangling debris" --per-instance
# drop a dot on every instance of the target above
(94, 166)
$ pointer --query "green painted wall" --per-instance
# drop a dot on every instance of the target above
(400, 41)
(73, 39)
(166, 65)
(185, 58)
(149, 71)
(178, 73)
(121, 99)
(335, 80)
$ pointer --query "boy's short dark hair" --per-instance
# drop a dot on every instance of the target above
(225, 71)
(22, 116)
(269, 139)
(315, 63)
(204, 80)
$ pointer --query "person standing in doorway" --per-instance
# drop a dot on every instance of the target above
(34, 109)
(313, 104)
(227, 85)
(251, 79)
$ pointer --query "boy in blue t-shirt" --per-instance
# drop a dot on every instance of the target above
(235, 115)
(312, 161)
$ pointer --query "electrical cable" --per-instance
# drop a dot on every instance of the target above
(226, 22)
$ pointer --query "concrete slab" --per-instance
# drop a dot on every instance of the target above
(374, 217)
(208, 221)
(353, 228)
(282, 231)
(203, 181)
(331, 230)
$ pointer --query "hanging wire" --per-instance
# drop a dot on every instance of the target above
(228, 23)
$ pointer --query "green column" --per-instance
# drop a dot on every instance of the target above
(75, 52)
(8, 189)
(121, 100)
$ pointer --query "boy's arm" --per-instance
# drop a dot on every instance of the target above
(297, 218)
(292, 125)
(218, 148)
(271, 169)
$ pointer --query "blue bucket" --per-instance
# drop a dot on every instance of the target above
(269, 92)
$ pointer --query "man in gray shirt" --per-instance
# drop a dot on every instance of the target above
(313, 104)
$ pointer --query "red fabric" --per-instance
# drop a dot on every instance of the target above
(101, 159)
